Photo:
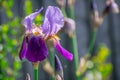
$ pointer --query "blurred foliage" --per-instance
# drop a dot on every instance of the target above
(9, 52)
(7, 5)
(10, 40)
(10, 63)
(97, 68)
(28, 7)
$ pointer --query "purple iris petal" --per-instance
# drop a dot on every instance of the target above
(23, 49)
(37, 50)
(63, 51)
(53, 21)
(27, 22)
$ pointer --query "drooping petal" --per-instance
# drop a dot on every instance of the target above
(37, 50)
(23, 49)
(53, 21)
(27, 22)
(63, 51)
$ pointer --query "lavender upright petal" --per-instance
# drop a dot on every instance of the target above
(53, 21)
(27, 22)
(23, 49)
(63, 51)
(37, 50)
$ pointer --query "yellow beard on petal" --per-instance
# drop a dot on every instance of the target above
(51, 40)
(56, 37)
(53, 37)
(37, 31)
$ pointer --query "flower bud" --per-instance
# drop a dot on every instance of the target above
(93, 6)
(81, 66)
(57, 77)
(58, 69)
(28, 77)
(69, 26)
(47, 67)
(71, 2)
(113, 7)
(61, 3)
(96, 19)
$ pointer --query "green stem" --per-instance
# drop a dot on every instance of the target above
(35, 74)
(75, 53)
(74, 43)
(75, 50)
(63, 11)
(73, 39)
(92, 41)
(35, 65)
(71, 12)
(51, 52)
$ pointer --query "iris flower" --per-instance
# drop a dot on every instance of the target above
(34, 43)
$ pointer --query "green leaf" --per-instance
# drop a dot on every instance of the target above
(9, 13)
(4, 63)
(17, 64)
(28, 7)
(4, 28)
(10, 3)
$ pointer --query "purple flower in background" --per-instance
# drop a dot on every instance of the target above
(34, 43)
